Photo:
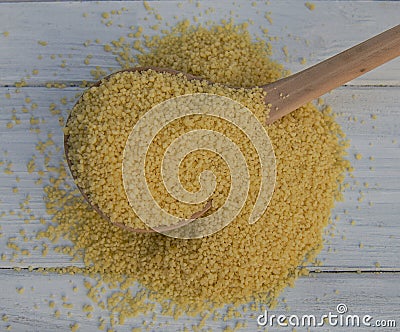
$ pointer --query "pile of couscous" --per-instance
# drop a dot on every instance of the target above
(241, 262)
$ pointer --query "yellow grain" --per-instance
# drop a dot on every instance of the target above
(20, 290)
(310, 5)
(74, 327)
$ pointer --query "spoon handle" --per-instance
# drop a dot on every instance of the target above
(290, 93)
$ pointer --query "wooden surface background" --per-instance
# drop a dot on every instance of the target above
(367, 229)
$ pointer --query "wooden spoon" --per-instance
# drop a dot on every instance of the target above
(288, 94)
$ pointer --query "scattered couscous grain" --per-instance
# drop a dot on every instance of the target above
(74, 327)
(87, 308)
(20, 290)
(310, 5)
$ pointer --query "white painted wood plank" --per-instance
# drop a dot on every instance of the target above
(376, 227)
(315, 295)
(330, 28)
(376, 216)
(313, 35)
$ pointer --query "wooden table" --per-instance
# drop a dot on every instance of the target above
(360, 263)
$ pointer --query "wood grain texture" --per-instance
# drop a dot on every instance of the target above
(315, 35)
(316, 295)
(376, 226)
